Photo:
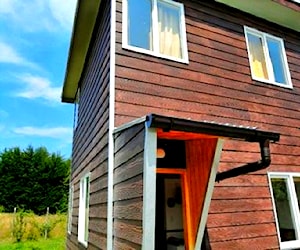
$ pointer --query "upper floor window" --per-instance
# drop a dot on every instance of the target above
(155, 27)
(286, 199)
(267, 58)
(76, 107)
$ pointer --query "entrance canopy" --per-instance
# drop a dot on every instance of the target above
(251, 134)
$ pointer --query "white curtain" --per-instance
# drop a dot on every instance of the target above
(257, 57)
(168, 28)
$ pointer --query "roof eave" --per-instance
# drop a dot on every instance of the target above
(81, 37)
(268, 10)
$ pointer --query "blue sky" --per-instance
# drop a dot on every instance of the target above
(34, 44)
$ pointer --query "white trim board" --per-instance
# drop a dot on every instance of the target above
(111, 126)
(209, 192)
(149, 189)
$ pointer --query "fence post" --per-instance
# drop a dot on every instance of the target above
(12, 221)
(47, 222)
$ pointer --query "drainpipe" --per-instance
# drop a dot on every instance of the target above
(249, 167)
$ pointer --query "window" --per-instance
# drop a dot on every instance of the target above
(155, 27)
(286, 196)
(76, 109)
(70, 210)
(83, 219)
(268, 62)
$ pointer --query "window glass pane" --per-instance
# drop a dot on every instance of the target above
(257, 57)
(86, 226)
(139, 23)
(283, 209)
(297, 187)
(169, 29)
(70, 209)
(275, 52)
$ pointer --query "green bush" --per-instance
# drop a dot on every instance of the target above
(45, 227)
(19, 226)
(2, 209)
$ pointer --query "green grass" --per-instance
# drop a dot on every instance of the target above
(42, 244)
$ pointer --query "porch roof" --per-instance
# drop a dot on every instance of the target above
(251, 134)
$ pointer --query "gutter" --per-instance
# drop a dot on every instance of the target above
(230, 131)
(249, 167)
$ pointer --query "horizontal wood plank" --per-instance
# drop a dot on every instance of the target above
(240, 218)
(269, 242)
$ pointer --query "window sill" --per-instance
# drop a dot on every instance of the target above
(289, 85)
(184, 60)
(290, 245)
(83, 243)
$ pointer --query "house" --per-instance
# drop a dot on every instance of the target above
(186, 124)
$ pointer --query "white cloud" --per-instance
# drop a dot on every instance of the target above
(38, 87)
(9, 55)
(63, 12)
(39, 15)
(63, 133)
(6, 6)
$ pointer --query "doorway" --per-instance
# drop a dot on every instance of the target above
(169, 231)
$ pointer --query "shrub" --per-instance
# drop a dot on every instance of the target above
(19, 225)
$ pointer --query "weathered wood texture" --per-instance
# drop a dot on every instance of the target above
(90, 151)
(128, 187)
(216, 85)
(199, 158)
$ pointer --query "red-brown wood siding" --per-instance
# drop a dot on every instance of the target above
(128, 187)
(90, 151)
(217, 85)
(290, 4)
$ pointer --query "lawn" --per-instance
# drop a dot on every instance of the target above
(34, 229)
(41, 244)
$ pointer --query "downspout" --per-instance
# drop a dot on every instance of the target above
(249, 167)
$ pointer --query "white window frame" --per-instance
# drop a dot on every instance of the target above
(76, 109)
(271, 80)
(295, 213)
(83, 193)
(70, 210)
(155, 52)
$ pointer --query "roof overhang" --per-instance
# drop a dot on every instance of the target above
(269, 10)
(84, 22)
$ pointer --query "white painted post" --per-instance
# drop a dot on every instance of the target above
(47, 222)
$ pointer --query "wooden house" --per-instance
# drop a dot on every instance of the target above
(186, 124)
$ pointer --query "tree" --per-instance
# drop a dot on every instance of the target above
(33, 180)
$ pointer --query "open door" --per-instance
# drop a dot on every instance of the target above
(181, 186)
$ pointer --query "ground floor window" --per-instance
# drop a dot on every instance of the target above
(285, 189)
(83, 219)
(70, 209)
